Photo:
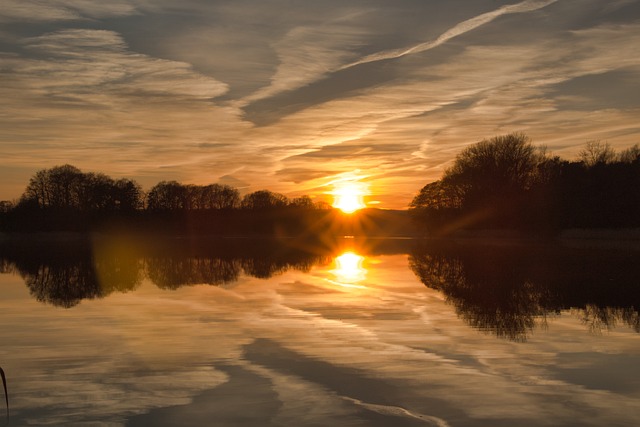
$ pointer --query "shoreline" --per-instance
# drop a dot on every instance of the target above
(632, 234)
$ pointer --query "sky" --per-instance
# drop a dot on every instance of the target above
(299, 96)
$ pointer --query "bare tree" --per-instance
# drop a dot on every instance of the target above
(597, 152)
(498, 167)
(263, 200)
(631, 154)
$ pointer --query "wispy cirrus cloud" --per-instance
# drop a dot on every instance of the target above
(87, 59)
(420, 123)
(246, 93)
(83, 97)
(306, 54)
(455, 31)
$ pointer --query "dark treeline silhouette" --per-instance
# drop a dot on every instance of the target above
(63, 198)
(507, 182)
(508, 289)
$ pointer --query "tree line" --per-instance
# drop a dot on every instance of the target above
(64, 197)
(507, 182)
(67, 187)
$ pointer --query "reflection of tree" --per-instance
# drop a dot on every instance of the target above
(67, 283)
(174, 263)
(506, 290)
(65, 274)
(268, 265)
(488, 298)
(605, 318)
(62, 285)
(172, 273)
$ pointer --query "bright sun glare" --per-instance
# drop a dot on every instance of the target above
(349, 268)
(349, 196)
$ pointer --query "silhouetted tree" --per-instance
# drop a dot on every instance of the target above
(500, 167)
(488, 183)
(127, 195)
(597, 152)
(173, 196)
(506, 182)
(438, 195)
(264, 200)
(167, 196)
(58, 187)
(63, 197)
(67, 188)
(302, 202)
(217, 196)
(6, 206)
(630, 155)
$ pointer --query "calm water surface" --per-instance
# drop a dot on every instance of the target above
(117, 332)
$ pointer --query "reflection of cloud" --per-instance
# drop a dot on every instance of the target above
(62, 10)
(150, 349)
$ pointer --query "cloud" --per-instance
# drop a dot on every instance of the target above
(81, 60)
(63, 10)
(232, 181)
(223, 89)
(460, 101)
(299, 175)
(306, 54)
(83, 97)
(455, 31)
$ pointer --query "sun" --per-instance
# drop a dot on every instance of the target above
(349, 196)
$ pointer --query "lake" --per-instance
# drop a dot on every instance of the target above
(349, 332)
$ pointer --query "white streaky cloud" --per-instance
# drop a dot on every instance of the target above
(306, 54)
(457, 30)
(86, 59)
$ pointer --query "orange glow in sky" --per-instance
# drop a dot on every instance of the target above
(397, 102)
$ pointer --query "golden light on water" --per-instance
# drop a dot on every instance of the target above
(349, 268)
(349, 196)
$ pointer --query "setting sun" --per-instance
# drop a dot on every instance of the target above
(349, 197)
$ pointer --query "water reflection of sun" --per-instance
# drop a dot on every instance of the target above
(348, 268)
